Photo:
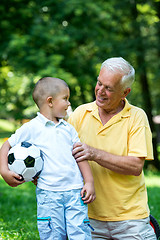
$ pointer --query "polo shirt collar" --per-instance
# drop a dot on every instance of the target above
(126, 110)
(124, 113)
(46, 121)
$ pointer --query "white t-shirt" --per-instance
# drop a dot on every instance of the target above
(60, 171)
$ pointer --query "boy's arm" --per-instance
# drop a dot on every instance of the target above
(88, 191)
(10, 177)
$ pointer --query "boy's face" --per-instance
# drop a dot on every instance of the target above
(61, 103)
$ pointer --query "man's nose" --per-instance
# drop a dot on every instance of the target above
(101, 90)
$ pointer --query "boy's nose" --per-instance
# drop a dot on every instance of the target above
(69, 104)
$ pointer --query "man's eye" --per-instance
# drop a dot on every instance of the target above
(110, 90)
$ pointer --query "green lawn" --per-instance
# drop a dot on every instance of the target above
(18, 208)
(18, 205)
(18, 212)
(153, 188)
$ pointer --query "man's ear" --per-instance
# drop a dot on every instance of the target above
(49, 101)
(126, 92)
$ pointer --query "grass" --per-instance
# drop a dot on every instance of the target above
(18, 205)
(18, 212)
(18, 208)
(153, 189)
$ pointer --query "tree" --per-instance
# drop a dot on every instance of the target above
(70, 39)
(141, 56)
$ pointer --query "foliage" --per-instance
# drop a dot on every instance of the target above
(6, 129)
(69, 39)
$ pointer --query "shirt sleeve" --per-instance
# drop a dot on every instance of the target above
(74, 134)
(22, 134)
(140, 138)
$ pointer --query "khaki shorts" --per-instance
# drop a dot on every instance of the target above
(123, 230)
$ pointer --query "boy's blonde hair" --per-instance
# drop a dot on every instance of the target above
(45, 87)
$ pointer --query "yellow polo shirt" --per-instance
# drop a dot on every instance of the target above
(118, 197)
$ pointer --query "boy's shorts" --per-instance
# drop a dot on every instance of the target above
(61, 214)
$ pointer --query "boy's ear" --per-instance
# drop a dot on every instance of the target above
(49, 101)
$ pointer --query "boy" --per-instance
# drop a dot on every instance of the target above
(61, 211)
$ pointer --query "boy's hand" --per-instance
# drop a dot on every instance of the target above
(12, 179)
(88, 193)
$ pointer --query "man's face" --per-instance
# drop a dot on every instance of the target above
(108, 90)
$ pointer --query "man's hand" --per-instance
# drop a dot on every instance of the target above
(82, 151)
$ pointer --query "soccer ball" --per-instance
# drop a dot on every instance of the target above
(26, 160)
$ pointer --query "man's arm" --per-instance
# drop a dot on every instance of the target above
(9, 176)
(88, 191)
(127, 165)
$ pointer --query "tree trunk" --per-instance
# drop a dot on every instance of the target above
(140, 49)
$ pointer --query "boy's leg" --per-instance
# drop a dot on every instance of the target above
(50, 215)
(76, 214)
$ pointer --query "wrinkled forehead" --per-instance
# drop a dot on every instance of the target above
(116, 70)
(110, 75)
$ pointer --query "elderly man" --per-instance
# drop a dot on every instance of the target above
(116, 140)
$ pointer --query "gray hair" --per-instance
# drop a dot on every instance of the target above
(120, 64)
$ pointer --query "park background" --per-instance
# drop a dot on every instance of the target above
(69, 39)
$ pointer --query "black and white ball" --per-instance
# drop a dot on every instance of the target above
(26, 160)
